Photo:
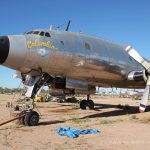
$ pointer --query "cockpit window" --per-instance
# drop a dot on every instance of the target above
(29, 32)
(35, 32)
(47, 34)
(42, 33)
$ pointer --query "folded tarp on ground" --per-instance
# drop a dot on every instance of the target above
(73, 133)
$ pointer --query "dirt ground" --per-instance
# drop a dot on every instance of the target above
(121, 126)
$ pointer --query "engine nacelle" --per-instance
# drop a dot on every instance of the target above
(137, 76)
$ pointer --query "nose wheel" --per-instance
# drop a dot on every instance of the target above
(31, 118)
(87, 104)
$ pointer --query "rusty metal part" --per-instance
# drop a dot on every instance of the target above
(22, 105)
(12, 119)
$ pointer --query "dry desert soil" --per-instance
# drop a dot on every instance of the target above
(121, 127)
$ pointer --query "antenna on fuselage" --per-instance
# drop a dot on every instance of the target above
(68, 25)
(51, 27)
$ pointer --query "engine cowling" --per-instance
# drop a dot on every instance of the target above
(137, 76)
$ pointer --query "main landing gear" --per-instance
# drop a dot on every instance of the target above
(87, 104)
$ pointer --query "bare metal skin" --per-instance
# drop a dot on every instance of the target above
(93, 60)
(71, 63)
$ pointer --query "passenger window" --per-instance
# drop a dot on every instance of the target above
(47, 34)
(87, 46)
(29, 32)
(62, 42)
(42, 33)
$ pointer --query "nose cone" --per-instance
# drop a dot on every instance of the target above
(4, 48)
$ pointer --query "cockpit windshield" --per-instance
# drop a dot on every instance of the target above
(35, 32)
(29, 32)
(41, 33)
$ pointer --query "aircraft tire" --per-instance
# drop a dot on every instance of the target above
(31, 118)
(21, 121)
(89, 105)
(83, 104)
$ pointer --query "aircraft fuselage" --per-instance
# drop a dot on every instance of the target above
(72, 55)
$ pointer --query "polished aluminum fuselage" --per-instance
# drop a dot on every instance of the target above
(75, 56)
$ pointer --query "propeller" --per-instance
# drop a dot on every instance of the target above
(135, 55)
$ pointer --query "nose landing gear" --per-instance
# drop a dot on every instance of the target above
(25, 106)
(31, 118)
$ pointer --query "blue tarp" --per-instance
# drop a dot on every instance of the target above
(73, 133)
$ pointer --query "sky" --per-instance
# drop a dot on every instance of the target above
(121, 21)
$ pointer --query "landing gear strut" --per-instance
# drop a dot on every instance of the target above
(87, 104)
(26, 105)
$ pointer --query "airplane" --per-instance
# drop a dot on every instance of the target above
(72, 62)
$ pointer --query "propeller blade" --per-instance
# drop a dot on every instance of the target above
(145, 96)
(135, 55)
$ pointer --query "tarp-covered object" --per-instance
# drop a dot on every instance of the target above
(74, 133)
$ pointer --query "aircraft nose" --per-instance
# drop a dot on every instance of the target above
(4, 48)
